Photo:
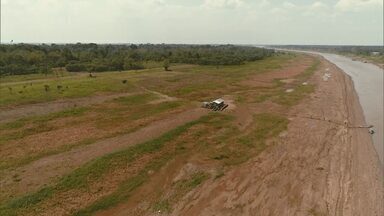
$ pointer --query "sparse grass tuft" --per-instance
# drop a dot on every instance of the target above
(77, 87)
(195, 180)
(292, 98)
(26, 201)
(278, 92)
(162, 206)
(40, 124)
(239, 150)
(315, 212)
(136, 99)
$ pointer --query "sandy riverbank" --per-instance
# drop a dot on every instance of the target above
(322, 166)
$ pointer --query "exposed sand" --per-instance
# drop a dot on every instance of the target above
(321, 165)
(47, 169)
(318, 167)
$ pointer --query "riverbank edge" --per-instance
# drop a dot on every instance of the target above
(366, 171)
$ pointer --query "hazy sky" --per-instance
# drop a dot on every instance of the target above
(357, 22)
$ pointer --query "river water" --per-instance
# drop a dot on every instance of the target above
(368, 82)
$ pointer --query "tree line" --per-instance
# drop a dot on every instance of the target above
(30, 58)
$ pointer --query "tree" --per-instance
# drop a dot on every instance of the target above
(166, 65)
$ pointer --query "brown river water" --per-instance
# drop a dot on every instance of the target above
(368, 82)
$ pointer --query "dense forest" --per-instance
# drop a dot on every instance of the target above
(28, 58)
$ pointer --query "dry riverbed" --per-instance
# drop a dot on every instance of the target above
(287, 145)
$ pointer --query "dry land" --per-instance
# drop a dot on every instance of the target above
(138, 143)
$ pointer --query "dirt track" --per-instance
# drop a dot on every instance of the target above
(52, 167)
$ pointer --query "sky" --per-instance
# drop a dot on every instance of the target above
(322, 22)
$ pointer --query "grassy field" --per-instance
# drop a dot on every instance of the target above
(214, 140)
(183, 81)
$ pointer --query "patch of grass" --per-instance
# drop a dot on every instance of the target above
(124, 191)
(315, 212)
(39, 128)
(194, 181)
(240, 149)
(153, 64)
(162, 206)
(30, 77)
(181, 187)
(268, 125)
(122, 115)
(17, 162)
(72, 112)
(11, 208)
(206, 82)
(309, 71)
(155, 109)
(14, 124)
(263, 96)
(279, 95)
(40, 124)
(292, 98)
(83, 176)
(219, 173)
(77, 87)
(136, 99)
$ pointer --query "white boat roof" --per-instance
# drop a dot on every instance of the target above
(218, 101)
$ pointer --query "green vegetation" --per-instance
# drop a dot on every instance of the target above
(136, 99)
(195, 180)
(56, 74)
(40, 124)
(215, 138)
(162, 206)
(201, 83)
(358, 50)
(17, 162)
(315, 212)
(309, 71)
(181, 188)
(166, 64)
(292, 98)
(299, 90)
(238, 149)
(186, 81)
(58, 89)
(32, 59)
(278, 92)
(83, 176)
(373, 54)
(130, 108)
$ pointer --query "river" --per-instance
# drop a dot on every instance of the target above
(368, 82)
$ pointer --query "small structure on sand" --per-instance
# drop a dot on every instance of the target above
(216, 105)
